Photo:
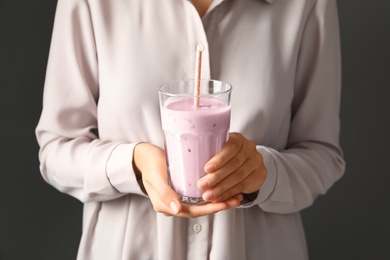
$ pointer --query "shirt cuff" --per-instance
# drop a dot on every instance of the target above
(270, 181)
(120, 170)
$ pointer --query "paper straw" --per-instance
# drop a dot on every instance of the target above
(198, 72)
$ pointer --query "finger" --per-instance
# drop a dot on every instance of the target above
(237, 169)
(212, 179)
(166, 203)
(237, 159)
(189, 211)
(248, 178)
(228, 183)
(251, 184)
(238, 197)
(164, 199)
(228, 151)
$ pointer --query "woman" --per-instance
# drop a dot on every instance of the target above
(100, 134)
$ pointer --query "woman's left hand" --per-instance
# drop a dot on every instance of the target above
(237, 168)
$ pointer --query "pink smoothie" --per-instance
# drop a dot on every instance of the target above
(192, 137)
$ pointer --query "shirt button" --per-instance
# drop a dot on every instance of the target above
(196, 228)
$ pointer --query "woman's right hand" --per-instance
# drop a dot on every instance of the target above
(150, 161)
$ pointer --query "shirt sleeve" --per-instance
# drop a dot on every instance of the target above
(72, 157)
(313, 159)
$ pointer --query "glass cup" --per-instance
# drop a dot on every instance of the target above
(195, 129)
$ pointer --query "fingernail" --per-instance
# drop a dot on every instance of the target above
(210, 168)
(174, 207)
(203, 184)
(208, 195)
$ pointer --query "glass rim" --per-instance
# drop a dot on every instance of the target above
(161, 91)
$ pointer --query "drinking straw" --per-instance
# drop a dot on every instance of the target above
(199, 49)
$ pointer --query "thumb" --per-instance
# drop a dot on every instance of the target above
(175, 207)
(150, 160)
(163, 197)
(169, 198)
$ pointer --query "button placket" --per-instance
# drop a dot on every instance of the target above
(198, 238)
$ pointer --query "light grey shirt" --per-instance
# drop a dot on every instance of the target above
(107, 61)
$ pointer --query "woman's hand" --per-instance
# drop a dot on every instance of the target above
(237, 169)
(150, 161)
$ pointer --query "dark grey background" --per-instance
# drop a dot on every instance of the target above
(351, 222)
